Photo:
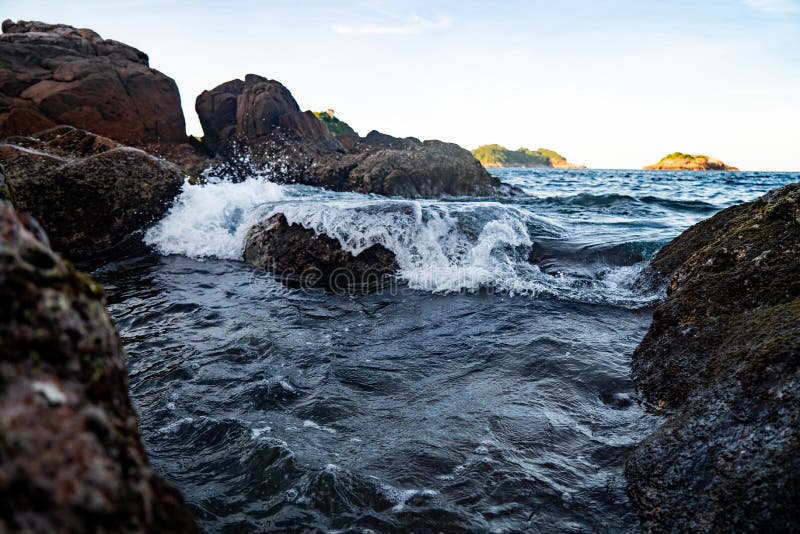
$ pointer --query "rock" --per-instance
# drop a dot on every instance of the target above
(56, 74)
(250, 111)
(5, 192)
(217, 112)
(678, 161)
(71, 459)
(348, 141)
(299, 255)
(258, 124)
(403, 167)
(723, 358)
(88, 192)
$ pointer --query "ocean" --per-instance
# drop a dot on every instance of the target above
(487, 389)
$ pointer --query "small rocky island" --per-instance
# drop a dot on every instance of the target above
(541, 158)
(678, 161)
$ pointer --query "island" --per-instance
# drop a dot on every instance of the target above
(678, 161)
(500, 156)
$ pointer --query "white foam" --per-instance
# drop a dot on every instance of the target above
(212, 220)
(435, 244)
(315, 426)
(440, 246)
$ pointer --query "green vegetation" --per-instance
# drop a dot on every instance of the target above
(334, 125)
(500, 156)
(683, 161)
(681, 155)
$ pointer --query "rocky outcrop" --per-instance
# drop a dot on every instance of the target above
(88, 192)
(299, 256)
(403, 167)
(251, 111)
(71, 459)
(679, 161)
(262, 116)
(722, 358)
(56, 74)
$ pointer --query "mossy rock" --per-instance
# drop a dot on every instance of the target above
(722, 358)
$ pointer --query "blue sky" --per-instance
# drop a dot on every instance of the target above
(613, 83)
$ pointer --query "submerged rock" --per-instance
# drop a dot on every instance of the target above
(88, 192)
(262, 115)
(71, 459)
(299, 255)
(723, 357)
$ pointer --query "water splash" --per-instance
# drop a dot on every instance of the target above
(441, 246)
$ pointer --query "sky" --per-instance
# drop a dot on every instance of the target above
(607, 83)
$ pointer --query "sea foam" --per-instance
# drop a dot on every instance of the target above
(440, 245)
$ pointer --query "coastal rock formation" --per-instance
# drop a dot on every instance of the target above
(541, 158)
(88, 192)
(408, 167)
(723, 358)
(251, 111)
(299, 255)
(71, 459)
(678, 161)
(56, 74)
(262, 116)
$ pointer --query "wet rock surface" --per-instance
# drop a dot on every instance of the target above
(87, 191)
(723, 358)
(71, 459)
(300, 256)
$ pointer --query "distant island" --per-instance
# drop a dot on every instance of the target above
(678, 161)
(334, 125)
(500, 156)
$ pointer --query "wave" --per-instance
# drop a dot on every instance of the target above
(609, 200)
(440, 246)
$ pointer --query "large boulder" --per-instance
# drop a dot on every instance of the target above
(404, 167)
(722, 360)
(252, 112)
(71, 458)
(257, 122)
(53, 74)
(88, 192)
(299, 255)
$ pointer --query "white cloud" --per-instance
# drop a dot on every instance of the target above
(405, 26)
(775, 6)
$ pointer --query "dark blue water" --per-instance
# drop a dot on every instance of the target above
(488, 390)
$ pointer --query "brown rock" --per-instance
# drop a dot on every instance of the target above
(250, 111)
(71, 459)
(89, 192)
(299, 255)
(56, 74)
(256, 124)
